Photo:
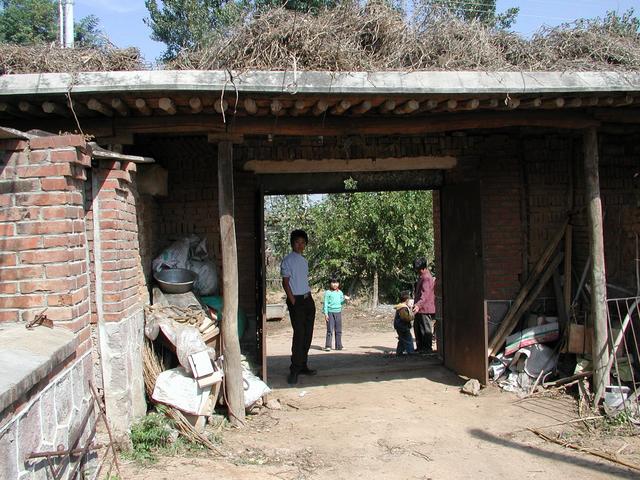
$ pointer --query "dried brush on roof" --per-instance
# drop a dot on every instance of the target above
(356, 37)
(53, 59)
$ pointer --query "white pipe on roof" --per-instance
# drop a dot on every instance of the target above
(68, 24)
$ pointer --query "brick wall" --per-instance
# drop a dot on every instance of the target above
(44, 268)
(43, 254)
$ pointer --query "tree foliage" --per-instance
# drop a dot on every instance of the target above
(29, 22)
(187, 24)
(484, 11)
(357, 234)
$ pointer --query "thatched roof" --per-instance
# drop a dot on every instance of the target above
(363, 38)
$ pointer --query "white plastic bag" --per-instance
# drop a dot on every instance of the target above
(174, 256)
(207, 281)
(176, 388)
(254, 388)
(188, 342)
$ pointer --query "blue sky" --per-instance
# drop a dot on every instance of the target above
(122, 20)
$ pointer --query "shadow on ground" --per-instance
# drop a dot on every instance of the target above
(359, 365)
(583, 462)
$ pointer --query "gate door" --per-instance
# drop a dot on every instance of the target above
(464, 321)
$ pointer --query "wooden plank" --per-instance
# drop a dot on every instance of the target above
(277, 167)
(598, 278)
(511, 319)
(329, 125)
(231, 342)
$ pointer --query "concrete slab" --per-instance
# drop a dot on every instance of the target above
(322, 83)
(28, 356)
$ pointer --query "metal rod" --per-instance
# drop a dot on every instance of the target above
(60, 453)
(101, 409)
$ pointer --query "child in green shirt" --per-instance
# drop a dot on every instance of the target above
(332, 309)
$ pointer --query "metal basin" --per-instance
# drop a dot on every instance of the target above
(175, 280)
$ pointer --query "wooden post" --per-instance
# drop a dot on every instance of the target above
(598, 278)
(231, 342)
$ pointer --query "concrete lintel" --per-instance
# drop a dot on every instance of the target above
(28, 356)
(322, 83)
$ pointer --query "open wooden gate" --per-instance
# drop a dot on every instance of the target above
(464, 320)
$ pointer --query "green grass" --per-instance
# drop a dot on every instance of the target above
(153, 436)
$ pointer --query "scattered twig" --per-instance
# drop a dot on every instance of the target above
(422, 455)
(595, 453)
(575, 420)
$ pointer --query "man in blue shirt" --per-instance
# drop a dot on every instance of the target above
(302, 309)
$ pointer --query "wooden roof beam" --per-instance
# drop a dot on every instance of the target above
(97, 106)
(195, 103)
(143, 108)
(167, 105)
(55, 109)
(120, 106)
(250, 106)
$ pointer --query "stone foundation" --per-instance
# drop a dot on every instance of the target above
(121, 360)
(48, 421)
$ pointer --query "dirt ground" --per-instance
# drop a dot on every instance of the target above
(371, 415)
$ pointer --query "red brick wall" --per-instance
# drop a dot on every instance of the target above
(43, 254)
(122, 281)
(501, 211)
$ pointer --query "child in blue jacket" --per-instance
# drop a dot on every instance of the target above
(332, 309)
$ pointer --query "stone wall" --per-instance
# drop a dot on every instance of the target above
(49, 419)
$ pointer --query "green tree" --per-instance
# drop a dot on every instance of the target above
(372, 237)
(484, 11)
(29, 22)
(189, 24)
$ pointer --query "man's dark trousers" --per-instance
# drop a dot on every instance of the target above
(303, 315)
(424, 332)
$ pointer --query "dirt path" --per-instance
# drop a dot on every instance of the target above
(369, 415)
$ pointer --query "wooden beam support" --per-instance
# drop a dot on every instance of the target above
(299, 108)
(472, 104)
(320, 107)
(276, 107)
(143, 108)
(512, 103)
(553, 102)
(451, 104)
(387, 106)
(407, 107)
(54, 108)
(341, 107)
(97, 106)
(330, 126)
(266, 167)
(533, 103)
(623, 101)
(120, 106)
(232, 367)
(250, 106)
(429, 105)
(600, 354)
(363, 107)
(29, 108)
(195, 103)
(591, 101)
(167, 105)
(10, 109)
(489, 103)
(575, 102)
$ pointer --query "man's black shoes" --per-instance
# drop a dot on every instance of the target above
(292, 378)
